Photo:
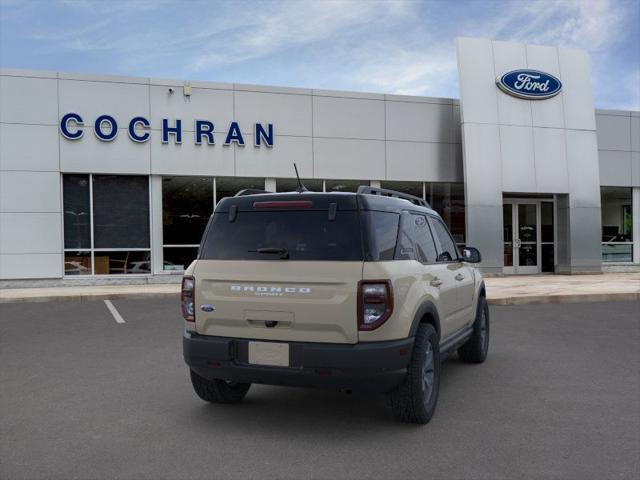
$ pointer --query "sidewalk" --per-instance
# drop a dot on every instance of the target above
(511, 290)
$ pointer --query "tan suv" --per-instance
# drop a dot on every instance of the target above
(357, 291)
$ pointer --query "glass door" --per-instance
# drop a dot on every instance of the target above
(526, 240)
(528, 236)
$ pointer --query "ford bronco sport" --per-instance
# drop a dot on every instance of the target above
(357, 291)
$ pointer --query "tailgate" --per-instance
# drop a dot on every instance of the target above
(302, 301)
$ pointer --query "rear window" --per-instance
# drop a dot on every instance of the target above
(305, 235)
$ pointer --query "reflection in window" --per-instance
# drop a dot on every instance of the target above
(77, 215)
(344, 185)
(412, 188)
(187, 204)
(119, 215)
(291, 184)
(617, 224)
(448, 200)
(229, 186)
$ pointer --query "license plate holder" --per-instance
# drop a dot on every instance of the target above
(272, 354)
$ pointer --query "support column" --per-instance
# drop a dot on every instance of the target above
(155, 192)
(635, 218)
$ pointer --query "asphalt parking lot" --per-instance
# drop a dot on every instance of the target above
(83, 396)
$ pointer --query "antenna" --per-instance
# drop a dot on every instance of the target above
(301, 188)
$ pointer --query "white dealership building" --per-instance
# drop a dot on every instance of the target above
(112, 179)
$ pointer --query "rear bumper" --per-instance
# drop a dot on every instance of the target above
(370, 367)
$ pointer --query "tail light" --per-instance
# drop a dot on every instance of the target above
(186, 298)
(375, 303)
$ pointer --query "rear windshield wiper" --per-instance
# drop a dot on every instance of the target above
(283, 252)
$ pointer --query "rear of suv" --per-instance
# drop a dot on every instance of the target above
(353, 291)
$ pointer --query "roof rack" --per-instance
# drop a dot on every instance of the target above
(383, 192)
(250, 191)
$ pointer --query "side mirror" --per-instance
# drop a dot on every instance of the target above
(471, 255)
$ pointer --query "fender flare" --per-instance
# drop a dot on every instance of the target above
(427, 307)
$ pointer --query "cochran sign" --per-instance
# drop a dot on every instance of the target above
(105, 128)
(529, 84)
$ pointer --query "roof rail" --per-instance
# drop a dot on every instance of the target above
(383, 192)
(250, 191)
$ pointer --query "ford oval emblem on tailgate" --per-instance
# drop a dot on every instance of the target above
(207, 308)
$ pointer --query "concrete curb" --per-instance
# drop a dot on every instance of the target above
(90, 297)
(565, 298)
(501, 300)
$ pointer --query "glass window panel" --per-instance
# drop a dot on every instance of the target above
(178, 259)
(528, 255)
(229, 186)
(425, 246)
(547, 261)
(617, 224)
(77, 263)
(291, 184)
(412, 188)
(77, 214)
(448, 200)
(527, 222)
(187, 204)
(617, 252)
(507, 219)
(120, 211)
(305, 235)
(122, 262)
(344, 185)
(381, 233)
(448, 250)
(546, 229)
(508, 255)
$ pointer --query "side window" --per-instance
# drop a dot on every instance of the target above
(426, 248)
(415, 240)
(447, 251)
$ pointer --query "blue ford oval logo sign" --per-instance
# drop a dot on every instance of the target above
(529, 84)
(207, 308)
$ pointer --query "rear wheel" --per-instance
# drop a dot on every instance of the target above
(476, 348)
(414, 401)
(218, 391)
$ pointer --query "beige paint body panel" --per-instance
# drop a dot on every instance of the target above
(310, 301)
(414, 284)
(317, 301)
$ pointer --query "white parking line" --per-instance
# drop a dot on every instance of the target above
(118, 318)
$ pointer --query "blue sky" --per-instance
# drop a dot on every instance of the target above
(389, 47)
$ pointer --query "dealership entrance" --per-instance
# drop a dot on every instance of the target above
(529, 235)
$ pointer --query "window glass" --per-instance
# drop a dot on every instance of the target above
(447, 250)
(120, 211)
(77, 214)
(291, 184)
(178, 258)
(382, 232)
(412, 188)
(425, 247)
(304, 235)
(617, 224)
(344, 185)
(229, 186)
(448, 200)
(187, 204)
(122, 262)
(415, 240)
(77, 263)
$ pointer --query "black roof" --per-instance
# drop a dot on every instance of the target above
(321, 201)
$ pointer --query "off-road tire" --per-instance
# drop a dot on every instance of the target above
(218, 391)
(413, 401)
(476, 348)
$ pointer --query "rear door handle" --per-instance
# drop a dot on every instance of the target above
(459, 277)
(436, 282)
